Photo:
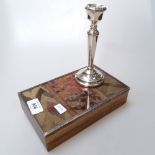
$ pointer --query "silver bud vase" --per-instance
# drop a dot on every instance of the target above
(91, 76)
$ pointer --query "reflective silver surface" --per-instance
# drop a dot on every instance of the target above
(91, 76)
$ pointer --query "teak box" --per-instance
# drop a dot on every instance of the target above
(83, 106)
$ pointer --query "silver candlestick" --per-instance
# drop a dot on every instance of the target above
(91, 76)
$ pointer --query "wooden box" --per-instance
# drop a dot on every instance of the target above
(78, 107)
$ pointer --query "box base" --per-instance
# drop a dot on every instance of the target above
(68, 107)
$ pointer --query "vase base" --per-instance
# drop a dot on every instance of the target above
(89, 77)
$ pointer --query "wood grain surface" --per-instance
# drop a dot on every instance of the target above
(83, 106)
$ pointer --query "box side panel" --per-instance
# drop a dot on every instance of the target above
(32, 120)
(79, 124)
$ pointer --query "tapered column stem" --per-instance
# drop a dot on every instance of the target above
(92, 42)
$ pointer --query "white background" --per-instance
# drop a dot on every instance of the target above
(43, 39)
